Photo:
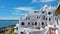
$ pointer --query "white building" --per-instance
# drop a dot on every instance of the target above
(37, 22)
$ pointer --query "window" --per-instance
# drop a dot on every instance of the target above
(35, 23)
(49, 13)
(22, 32)
(42, 23)
(22, 23)
(37, 17)
(46, 18)
(43, 12)
(28, 23)
(49, 19)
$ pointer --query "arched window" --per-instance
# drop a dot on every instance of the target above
(35, 23)
(43, 12)
(49, 19)
(22, 32)
(42, 23)
(22, 23)
(28, 23)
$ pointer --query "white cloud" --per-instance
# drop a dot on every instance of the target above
(15, 13)
(34, 1)
(18, 13)
(25, 8)
(47, 0)
(20, 9)
(37, 1)
(13, 18)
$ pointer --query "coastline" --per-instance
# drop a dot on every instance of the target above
(6, 30)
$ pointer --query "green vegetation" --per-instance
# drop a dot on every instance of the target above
(12, 31)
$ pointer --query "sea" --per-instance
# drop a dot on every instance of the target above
(5, 23)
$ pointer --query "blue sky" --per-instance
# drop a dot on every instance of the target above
(13, 9)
